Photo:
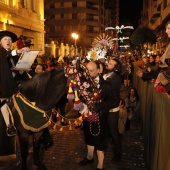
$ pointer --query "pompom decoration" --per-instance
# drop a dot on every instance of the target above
(160, 88)
(70, 94)
(77, 104)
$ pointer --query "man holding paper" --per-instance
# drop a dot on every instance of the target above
(8, 78)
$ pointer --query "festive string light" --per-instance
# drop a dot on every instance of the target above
(124, 46)
(119, 29)
(121, 38)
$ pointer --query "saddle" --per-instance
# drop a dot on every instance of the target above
(32, 117)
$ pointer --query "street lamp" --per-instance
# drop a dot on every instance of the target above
(75, 37)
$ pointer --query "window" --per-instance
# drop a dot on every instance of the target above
(74, 16)
(74, 4)
(52, 5)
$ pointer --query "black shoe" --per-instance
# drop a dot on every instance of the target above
(85, 161)
(11, 130)
(116, 159)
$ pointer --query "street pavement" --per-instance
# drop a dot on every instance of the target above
(69, 148)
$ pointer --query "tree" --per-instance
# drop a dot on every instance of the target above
(141, 36)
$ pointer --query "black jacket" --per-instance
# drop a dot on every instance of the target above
(8, 83)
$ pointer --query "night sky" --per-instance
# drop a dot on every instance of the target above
(130, 10)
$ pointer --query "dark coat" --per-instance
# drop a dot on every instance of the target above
(115, 82)
(9, 84)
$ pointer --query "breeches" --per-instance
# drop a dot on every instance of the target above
(99, 141)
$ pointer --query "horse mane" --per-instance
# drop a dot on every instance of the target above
(36, 86)
(43, 84)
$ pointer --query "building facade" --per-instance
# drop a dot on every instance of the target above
(87, 18)
(155, 14)
(24, 17)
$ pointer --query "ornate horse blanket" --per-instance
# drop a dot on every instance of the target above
(32, 117)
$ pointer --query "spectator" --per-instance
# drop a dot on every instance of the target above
(49, 65)
(19, 42)
(114, 68)
(133, 105)
(152, 69)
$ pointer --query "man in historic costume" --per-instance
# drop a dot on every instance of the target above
(94, 118)
(9, 79)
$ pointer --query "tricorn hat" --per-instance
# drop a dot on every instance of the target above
(9, 34)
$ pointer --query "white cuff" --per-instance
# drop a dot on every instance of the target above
(14, 52)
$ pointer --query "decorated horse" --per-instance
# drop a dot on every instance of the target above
(32, 109)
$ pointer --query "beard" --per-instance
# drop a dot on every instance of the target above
(108, 70)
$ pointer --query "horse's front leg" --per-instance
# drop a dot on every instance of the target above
(36, 150)
(23, 135)
(23, 140)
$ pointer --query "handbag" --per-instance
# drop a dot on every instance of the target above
(122, 119)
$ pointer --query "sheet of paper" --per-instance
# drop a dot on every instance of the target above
(26, 60)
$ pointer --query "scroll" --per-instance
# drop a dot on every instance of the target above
(26, 60)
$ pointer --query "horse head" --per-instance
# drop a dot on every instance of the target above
(45, 89)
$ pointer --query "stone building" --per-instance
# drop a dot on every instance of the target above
(155, 14)
(87, 18)
(24, 17)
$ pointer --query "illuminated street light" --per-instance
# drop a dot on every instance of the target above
(75, 37)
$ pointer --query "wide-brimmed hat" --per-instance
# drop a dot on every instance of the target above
(9, 34)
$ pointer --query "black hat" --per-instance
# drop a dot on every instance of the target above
(9, 34)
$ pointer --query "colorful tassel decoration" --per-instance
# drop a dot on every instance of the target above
(77, 103)
(70, 128)
(70, 94)
(61, 129)
(55, 126)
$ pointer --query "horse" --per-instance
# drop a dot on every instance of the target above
(45, 90)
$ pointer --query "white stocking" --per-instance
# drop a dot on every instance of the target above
(90, 151)
(100, 155)
(5, 114)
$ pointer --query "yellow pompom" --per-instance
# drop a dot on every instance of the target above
(54, 127)
(70, 128)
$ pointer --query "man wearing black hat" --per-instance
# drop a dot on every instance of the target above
(8, 78)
